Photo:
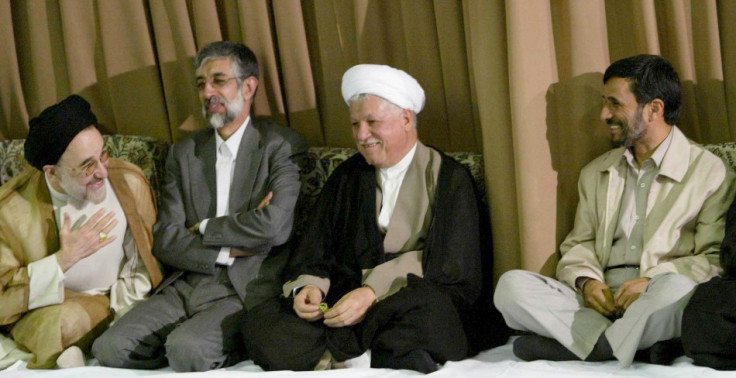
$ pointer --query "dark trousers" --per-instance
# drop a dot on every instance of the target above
(709, 324)
(419, 316)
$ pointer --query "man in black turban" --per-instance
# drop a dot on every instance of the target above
(52, 131)
(75, 238)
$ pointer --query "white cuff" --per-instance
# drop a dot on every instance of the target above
(223, 258)
(203, 225)
(46, 285)
(295, 290)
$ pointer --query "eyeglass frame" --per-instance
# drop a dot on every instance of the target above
(217, 81)
(91, 167)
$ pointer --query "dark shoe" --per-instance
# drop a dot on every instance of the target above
(662, 352)
(535, 347)
(417, 360)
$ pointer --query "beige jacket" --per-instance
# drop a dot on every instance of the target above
(28, 230)
(685, 218)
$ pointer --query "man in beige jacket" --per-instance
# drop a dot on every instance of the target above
(75, 238)
(647, 229)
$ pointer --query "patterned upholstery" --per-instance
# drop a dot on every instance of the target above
(323, 160)
(145, 152)
(11, 159)
(726, 151)
(150, 155)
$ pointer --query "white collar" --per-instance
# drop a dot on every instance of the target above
(59, 196)
(400, 167)
(232, 143)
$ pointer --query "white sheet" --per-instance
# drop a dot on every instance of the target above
(498, 362)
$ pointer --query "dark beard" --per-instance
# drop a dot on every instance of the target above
(630, 134)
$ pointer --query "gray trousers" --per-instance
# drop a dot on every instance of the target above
(191, 325)
(542, 305)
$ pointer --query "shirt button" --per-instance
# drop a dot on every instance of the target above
(642, 185)
(633, 247)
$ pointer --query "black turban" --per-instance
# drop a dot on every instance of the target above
(51, 132)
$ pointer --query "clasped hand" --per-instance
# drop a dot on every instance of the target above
(236, 252)
(85, 240)
(598, 296)
(349, 310)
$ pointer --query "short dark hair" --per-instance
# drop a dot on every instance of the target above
(650, 77)
(244, 60)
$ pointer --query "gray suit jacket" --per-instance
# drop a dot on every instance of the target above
(269, 159)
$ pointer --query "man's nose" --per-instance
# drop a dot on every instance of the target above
(362, 131)
(100, 171)
(208, 90)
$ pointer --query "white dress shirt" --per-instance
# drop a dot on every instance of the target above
(94, 274)
(227, 151)
(391, 179)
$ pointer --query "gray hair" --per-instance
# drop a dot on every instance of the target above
(244, 61)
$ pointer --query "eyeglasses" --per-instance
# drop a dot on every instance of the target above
(217, 82)
(91, 166)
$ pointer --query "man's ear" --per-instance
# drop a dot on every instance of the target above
(250, 84)
(656, 107)
(407, 118)
(50, 171)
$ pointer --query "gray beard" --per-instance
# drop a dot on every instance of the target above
(232, 110)
(218, 121)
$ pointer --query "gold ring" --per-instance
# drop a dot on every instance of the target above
(103, 236)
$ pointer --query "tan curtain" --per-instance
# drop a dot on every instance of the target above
(518, 80)
(537, 69)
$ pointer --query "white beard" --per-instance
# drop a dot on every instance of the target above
(79, 192)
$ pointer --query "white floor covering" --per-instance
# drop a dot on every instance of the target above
(498, 362)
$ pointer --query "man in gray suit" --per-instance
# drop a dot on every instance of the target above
(227, 206)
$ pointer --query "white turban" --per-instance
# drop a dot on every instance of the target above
(394, 85)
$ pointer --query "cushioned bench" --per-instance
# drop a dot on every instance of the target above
(150, 155)
(147, 153)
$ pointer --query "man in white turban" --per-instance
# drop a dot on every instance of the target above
(392, 262)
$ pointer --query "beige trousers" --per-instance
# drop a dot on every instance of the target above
(47, 331)
(547, 307)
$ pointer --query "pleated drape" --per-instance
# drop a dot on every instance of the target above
(518, 80)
